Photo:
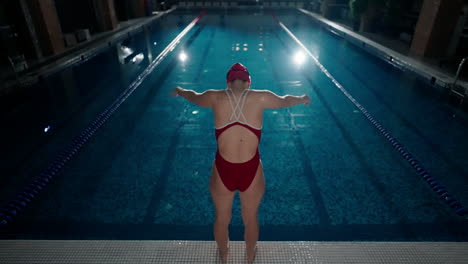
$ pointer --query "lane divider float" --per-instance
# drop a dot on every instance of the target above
(433, 183)
(9, 212)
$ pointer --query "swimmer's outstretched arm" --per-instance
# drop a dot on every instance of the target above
(204, 99)
(274, 101)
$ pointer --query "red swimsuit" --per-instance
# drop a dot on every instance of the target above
(237, 176)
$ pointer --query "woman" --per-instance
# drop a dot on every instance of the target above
(238, 116)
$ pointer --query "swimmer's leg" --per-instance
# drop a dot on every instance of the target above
(222, 199)
(250, 201)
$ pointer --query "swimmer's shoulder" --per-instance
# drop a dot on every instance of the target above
(259, 94)
(219, 95)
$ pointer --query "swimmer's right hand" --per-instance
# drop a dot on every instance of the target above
(306, 99)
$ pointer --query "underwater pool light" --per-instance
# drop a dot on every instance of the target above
(183, 56)
(46, 129)
(299, 58)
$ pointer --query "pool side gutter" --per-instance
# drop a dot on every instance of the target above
(429, 74)
(82, 52)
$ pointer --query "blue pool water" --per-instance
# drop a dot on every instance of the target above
(330, 174)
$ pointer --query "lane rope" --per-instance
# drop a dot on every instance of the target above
(9, 212)
(432, 181)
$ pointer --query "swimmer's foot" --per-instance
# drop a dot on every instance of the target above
(251, 254)
(223, 254)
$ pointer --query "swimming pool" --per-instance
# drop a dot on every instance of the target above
(330, 174)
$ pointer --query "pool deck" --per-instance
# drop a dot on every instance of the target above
(179, 251)
(392, 52)
(74, 55)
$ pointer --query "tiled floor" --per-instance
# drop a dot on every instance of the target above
(93, 251)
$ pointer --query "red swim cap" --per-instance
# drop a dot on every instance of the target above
(238, 71)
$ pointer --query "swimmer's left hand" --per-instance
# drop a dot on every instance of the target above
(306, 99)
(176, 91)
